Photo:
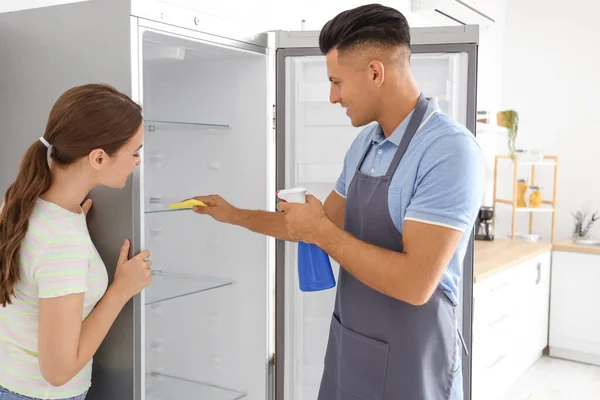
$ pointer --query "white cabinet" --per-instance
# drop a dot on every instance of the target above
(16, 5)
(510, 325)
(574, 315)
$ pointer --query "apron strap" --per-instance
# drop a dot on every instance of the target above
(411, 129)
(362, 159)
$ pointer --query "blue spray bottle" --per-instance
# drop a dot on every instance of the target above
(314, 267)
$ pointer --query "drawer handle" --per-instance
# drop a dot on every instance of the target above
(497, 361)
(498, 320)
(539, 274)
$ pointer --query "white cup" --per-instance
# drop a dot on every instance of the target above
(294, 195)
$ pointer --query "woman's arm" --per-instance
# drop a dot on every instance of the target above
(65, 344)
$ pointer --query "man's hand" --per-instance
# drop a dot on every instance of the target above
(305, 222)
(217, 208)
(86, 206)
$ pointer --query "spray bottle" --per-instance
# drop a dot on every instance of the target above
(314, 267)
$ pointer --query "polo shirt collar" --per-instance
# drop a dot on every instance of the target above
(396, 136)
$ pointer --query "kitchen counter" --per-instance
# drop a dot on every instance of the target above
(498, 255)
(570, 247)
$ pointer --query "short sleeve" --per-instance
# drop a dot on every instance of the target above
(62, 266)
(340, 186)
(450, 183)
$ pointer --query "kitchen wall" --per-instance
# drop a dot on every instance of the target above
(491, 52)
(550, 76)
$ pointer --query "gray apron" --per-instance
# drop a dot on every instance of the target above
(381, 348)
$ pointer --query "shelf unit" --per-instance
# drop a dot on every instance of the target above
(168, 286)
(548, 206)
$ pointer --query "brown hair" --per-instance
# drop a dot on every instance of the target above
(84, 118)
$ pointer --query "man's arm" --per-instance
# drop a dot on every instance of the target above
(335, 208)
(411, 276)
(265, 222)
(446, 198)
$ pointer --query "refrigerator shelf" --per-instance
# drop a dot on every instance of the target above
(166, 387)
(159, 125)
(158, 204)
(167, 286)
(165, 209)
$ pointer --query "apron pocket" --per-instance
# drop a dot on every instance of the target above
(358, 363)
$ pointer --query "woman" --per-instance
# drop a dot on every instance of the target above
(56, 308)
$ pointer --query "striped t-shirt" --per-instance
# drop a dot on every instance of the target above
(57, 257)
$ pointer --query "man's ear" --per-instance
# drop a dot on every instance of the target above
(377, 72)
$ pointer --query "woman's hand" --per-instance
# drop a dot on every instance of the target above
(133, 275)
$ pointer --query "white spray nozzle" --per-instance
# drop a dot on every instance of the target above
(295, 195)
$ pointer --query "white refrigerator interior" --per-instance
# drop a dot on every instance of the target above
(444, 76)
(206, 132)
(318, 134)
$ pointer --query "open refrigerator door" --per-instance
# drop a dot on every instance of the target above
(204, 320)
(313, 136)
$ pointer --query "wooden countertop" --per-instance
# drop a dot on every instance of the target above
(500, 254)
(569, 246)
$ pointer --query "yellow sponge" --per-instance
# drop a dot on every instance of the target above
(191, 203)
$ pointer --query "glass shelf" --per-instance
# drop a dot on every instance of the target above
(165, 387)
(541, 209)
(535, 209)
(154, 125)
(165, 209)
(156, 205)
(547, 163)
(167, 286)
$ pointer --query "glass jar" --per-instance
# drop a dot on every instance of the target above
(521, 191)
(535, 196)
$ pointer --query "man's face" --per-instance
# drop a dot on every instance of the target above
(353, 87)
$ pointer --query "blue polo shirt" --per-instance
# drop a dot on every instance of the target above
(440, 180)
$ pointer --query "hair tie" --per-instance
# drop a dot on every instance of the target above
(45, 142)
(49, 146)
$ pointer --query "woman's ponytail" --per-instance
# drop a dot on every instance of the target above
(32, 180)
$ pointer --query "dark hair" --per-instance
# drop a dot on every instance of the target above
(372, 24)
(84, 118)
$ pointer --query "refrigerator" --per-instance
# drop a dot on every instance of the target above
(229, 112)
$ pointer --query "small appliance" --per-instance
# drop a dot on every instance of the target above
(483, 225)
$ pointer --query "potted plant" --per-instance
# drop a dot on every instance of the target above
(582, 229)
(510, 120)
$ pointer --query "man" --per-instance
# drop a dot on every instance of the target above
(398, 221)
